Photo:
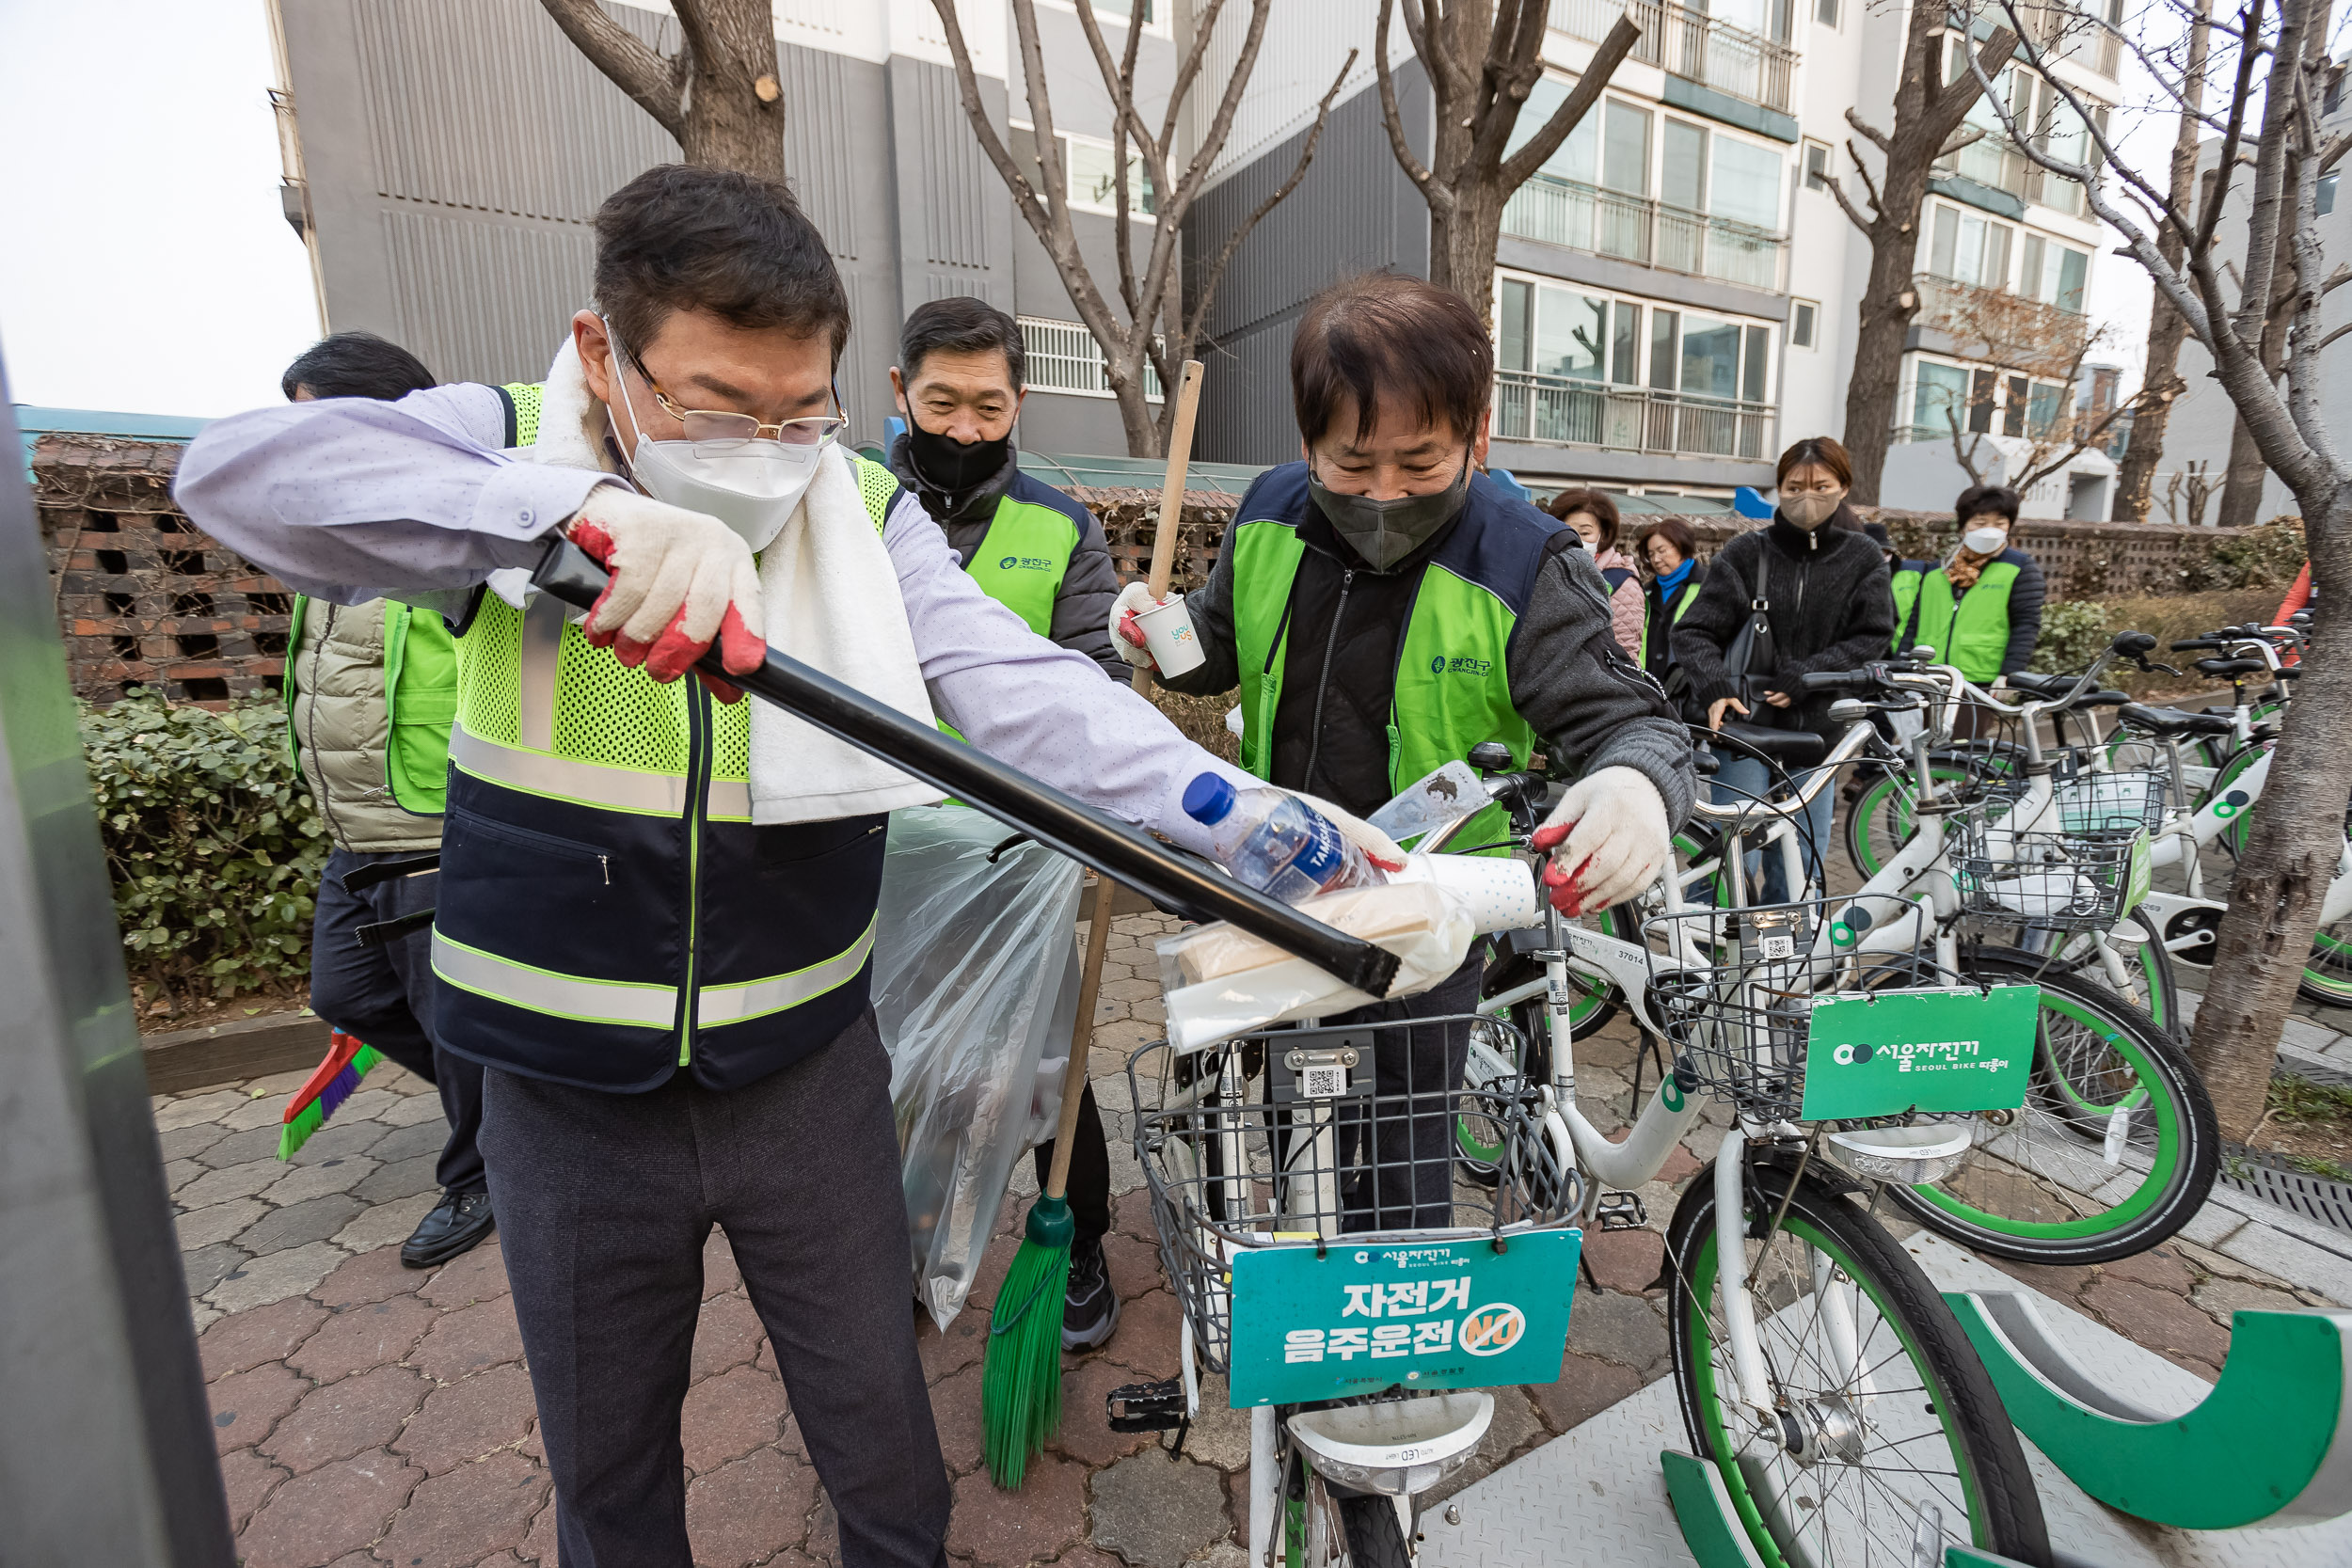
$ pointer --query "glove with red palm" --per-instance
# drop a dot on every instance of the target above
(680, 580)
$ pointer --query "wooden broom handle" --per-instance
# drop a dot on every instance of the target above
(1099, 924)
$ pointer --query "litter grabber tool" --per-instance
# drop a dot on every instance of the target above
(1021, 1379)
(1093, 838)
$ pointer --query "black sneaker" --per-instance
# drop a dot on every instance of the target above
(1090, 1310)
(455, 1225)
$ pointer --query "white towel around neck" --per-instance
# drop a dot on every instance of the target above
(830, 597)
(831, 601)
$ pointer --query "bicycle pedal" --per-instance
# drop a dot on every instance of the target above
(1621, 1212)
(1147, 1406)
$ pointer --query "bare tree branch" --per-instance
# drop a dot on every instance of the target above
(650, 81)
(1831, 184)
(1522, 166)
(1392, 118)
(1869, 133)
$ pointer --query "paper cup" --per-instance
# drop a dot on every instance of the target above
(1168, 633)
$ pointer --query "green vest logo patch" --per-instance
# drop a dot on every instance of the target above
(1026, 563)
(1439, 664)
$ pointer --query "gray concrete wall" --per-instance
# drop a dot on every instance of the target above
(1354, 210)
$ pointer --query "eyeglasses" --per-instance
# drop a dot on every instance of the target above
(711, 426)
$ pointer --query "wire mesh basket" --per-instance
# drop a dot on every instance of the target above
(1733, 990)
(2103, 802)
(1301, 1136)
(2035, 870)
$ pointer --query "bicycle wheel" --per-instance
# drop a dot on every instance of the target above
(2327, 972)
(1880, 821)
(1898, 1435)
(1373, 1537)
(1477, 1139)
(2149, 981)
(2114, 1150)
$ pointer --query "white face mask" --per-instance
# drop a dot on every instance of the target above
(752, 486)
(1985, 541)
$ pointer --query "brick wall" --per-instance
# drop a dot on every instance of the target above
(142, 598)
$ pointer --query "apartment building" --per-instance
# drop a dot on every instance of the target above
(444, 159)
(1675, 292)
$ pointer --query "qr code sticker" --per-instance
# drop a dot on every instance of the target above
(1323, 1082)
(1778, 944)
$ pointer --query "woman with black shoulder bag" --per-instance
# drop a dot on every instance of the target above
(1823, 586)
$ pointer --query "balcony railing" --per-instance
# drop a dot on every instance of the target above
(1994, 160)
(1689, 45)
(1559, 410)
(1640, 229)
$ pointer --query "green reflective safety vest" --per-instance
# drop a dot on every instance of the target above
(604, 892)
(1969, 632)
(420, 699)
(1452, 689)
(1023, 558)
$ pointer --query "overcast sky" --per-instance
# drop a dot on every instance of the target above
(146, 266)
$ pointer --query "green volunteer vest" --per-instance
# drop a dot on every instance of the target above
(541, 711)
(420, 700)
(1453, 692)
(1023, 558)
(1969, 632)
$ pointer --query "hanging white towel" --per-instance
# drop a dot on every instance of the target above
(831, 598)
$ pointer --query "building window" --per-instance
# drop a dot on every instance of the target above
(2055, 273)
(1801, 314)
(2327, 196)
(1086, 163)
(1817, 166)
(1826, 12)
(1968, 247)
(1064, 357)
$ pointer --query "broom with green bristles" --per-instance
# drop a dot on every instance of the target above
(1020, 1381)
(322, 1093)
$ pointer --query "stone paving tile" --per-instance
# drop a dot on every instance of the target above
(219, 1186)
(744, 1512)
(258, 1143)
(1155, 1515)
(372, 1277)
(262, 1111)
(246, 1405)
(266, 1334)
(473, 1277)
(342, 1138)
(202, 1228)
(344, 1420)
(1008, 1529)
(301, 1182)
(401, 1178)
(313, 1219)
(376, 1333)
(387, 1224)
(207, 1266)
(728, 1416)
(173, 1113)
(469, 1339)
(335, 1509)
(186, 1143)
(726, 1334)
(274, 1276)
(455, 1520)
(248, 1479)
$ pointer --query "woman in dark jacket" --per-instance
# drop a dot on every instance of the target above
(1828, 608)
(1671, 551)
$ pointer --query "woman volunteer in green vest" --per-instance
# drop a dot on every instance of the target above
(1676, 574)
(961, 379)
(1384, 608)
(1981, 609)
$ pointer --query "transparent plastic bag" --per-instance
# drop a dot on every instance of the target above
(1220, 982)
(975, 988)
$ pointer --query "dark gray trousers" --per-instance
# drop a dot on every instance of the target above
(1399, 1163)
(604, 1202)
(383, 995)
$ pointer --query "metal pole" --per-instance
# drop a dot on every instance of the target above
(106, 1443)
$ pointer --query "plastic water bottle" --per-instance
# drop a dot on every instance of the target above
(1276, 843)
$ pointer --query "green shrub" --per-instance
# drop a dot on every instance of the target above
(2073, 632)
(212, 841)
(2265, 556)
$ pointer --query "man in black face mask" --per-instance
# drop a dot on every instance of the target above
(1030, 548)
(1384, 608)
(959, 383)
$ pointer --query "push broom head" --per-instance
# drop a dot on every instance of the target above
(347, 1062)
(1021, 1385)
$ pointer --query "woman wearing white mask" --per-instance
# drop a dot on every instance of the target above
(1981, 609)
(1824, 585)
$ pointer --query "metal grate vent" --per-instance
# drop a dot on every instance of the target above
(2314, 1197)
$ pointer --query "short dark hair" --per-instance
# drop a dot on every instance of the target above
(356, 365)
(961, 326)
(1675, 531)
(1384, 334)
(1568, 503)
(1986, 497)
(680, 237)
(1825, 450)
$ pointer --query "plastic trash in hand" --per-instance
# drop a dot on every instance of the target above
(1272, 841)
(1447, 795)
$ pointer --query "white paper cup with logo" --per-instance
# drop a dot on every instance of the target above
(1168, 633)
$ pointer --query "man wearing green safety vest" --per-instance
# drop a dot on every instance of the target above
(657, 905)
(1980, 609)
(369, 690)
(1383, 607)
(960, 382)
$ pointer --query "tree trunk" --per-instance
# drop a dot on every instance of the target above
(1463, 248)
(1889, 301)
(728, 124)
(2292, 847)
(2242, 486)
(2135, 481)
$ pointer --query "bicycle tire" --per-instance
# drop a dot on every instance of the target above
(1990, 1485)
(1882, 808)
(2327, 977)
(2094, 1054)
(1373, 1538)
(2150, 961)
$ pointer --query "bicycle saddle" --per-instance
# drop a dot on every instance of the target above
(2232, 668)
(2171, 720)
(1789, 748)
(2049, 686)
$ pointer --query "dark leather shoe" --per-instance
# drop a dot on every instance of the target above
(458, 1221)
